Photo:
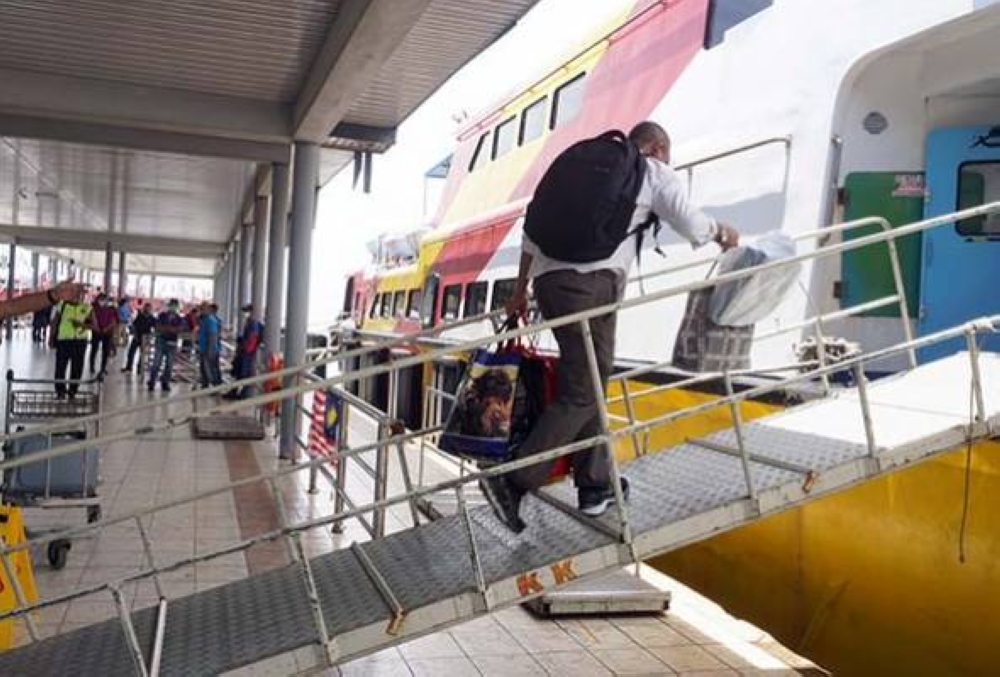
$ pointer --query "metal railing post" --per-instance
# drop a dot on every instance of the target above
(477, 565)
(977, 376)
(381, 478)
(866, 414)
(821, 354)
(602, 412)
(734, 412)
(147, 549)
(135, 651)
(630, 414)
(341, 470)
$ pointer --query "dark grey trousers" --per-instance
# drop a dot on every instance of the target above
(574, 414)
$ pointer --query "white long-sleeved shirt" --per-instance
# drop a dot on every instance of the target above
(663, 194)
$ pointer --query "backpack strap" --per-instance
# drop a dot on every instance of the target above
(651, 222)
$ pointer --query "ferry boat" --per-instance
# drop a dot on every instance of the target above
(785, 115)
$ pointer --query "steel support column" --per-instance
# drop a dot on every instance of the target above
(260, 218)
(122, 275)
(244, 253)
(275, 306)
(35, 272)
(152, 286)
(109, 259)
(299, 255)
(11, 271)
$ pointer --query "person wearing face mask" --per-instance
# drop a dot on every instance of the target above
(103, 327)
(169, 326)
(142, 329)
(69, 334)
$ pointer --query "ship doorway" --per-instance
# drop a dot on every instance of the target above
(961, 262)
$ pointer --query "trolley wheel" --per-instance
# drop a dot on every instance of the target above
(93, 514)
(58, 551)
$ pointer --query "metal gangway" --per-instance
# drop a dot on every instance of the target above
(331, 608)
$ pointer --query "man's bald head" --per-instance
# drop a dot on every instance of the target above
(652, 140)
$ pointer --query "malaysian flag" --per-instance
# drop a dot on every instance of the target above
(324, 423)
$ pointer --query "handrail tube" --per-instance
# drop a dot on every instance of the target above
(708, 377)
(990, 323)
(411, 338)
(784, 140)
(835, 315)
(514, 333)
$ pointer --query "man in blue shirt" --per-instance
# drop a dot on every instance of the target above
(245, 361)
(210, 345)
(169, 326)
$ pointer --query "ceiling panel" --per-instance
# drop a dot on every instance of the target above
(257, 49)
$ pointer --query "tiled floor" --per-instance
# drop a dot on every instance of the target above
(695, 638)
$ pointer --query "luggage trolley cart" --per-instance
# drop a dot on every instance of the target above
(64, 482)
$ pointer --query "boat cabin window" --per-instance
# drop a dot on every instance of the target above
(505, 137)
(429, 297)
(567, 101)
(451, 300)
(978, 183)
(386, 306)
(502, 291)
(482, 154)
(373, 311)
(398, 303)
(475, 299)
(533, 121)
(413, 304)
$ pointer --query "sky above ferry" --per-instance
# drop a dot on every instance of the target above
(401, 200)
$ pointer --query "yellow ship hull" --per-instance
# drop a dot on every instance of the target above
(880, 580)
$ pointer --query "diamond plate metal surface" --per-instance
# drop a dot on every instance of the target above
(227, 427)
(246, 622)
(812, 451)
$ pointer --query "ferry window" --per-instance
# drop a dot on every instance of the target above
(398, 303)
(505, 137)
(373, 311)
(724, 14)
(502, 291)
(482, 154)
(978, 183)
(429, 297)
(533, 121)
(386, 306)
(451, 301)
(475, 299)
(413, 304)
(567, 101)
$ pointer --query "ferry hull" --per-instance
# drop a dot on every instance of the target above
(874, 581)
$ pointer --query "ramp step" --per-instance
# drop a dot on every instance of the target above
(227, 427)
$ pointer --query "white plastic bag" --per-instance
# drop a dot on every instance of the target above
(749, 300)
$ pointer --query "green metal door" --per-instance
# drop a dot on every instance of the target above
(866, 273)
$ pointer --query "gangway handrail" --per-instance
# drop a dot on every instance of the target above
(472, 344)
(969, 330)
(785, 140)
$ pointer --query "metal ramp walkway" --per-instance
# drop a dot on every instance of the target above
(413, 582)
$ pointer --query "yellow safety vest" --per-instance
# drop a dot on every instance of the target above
(68, 312)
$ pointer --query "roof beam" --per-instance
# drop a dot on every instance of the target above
(34, 236)
(363, 37)
(39, 105)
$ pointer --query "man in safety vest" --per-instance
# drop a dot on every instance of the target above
(69, 331)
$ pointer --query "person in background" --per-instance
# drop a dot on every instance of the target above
(142, 329)
(169, 326)
(124, 320)
(40, 320)
(210, 345)
(245, 362)
(104, 324)
(69, 332)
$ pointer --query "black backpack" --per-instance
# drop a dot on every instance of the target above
(583, 206)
